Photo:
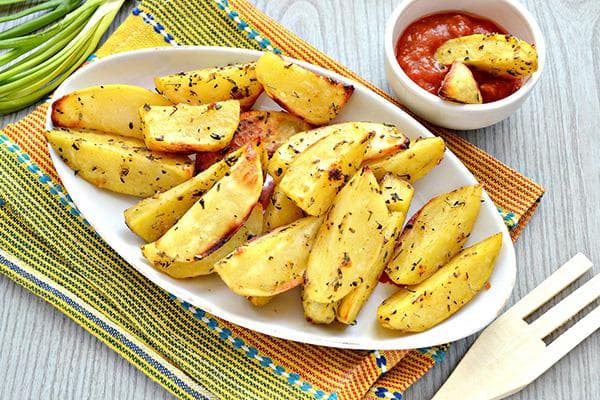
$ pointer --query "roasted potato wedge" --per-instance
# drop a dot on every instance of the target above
(397, 193)
(205, 266)
(349, 307)
(434, 235)
(348, 242)
(154, 216)
(216, 216)
(385, 140)
(315, 176)
(495, 53)
(106, 108)
(460, 86)
(418, 308)
(259, 301)
(280, 210)
(271, 128)
(312, 97)
(318, 313)
(120, 164)
(184, 129)
(270, 264)
(412, 164)
(203, 86)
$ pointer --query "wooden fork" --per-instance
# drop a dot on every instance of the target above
(510, 353)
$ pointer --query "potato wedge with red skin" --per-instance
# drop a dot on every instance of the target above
(205, 266)
(106, 108)
(315, 176)
(413, 163)
(119, 164)
(209, 85)
(348, 242)
(184, 128)
(460, 86)
(420, 307)
(216, 216)
(316, 99)
(434, 235)
(272, 128)
(272, 263)
(494, 53)
(385, 140)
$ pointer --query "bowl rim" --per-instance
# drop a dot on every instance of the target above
(436, 101)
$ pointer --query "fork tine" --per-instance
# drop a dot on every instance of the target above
(573, 336)
(556, 282)
(567, 308)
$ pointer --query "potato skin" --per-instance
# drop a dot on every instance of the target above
(205, 266)
(209, 85)
(434, 235)
(495, 53)
(106, 108)
(460, 86)
(384, 140)
(348, 242)
(216, 216)
(272, 263)
(152, 217)
(312, 97)
(184, 128)
(315, 176)
(414, 163)
(120, 164)
(271, 128)
(420, 307)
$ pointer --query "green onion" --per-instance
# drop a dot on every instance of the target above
(42, 60)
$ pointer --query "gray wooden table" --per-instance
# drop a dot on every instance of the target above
(554, 139)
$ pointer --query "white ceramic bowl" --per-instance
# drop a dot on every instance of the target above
(509, 14)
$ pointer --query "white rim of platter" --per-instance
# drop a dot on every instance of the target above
(283, 317)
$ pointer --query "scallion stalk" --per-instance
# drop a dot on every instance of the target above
(51, 55)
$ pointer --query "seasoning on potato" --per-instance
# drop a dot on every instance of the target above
(271, 128)
(105, 108)
(272, 263)
(414, 163)
(495, 53)
(210, 85)
(434, 235)
(460, 86)
(314, 98)
(420, 307)
(216, 216)
(117, 163)
(315, 176)
(349, 241)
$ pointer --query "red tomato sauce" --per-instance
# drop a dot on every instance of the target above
(417, 45)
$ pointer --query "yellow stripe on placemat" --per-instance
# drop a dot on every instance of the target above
(229, 361)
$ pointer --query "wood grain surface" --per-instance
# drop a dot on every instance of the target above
(554, 139)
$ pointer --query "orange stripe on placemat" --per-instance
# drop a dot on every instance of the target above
(358, 369)
(507, 188)
(408, 371)
(28, 133)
